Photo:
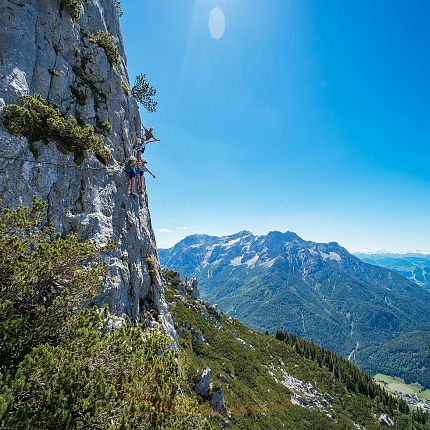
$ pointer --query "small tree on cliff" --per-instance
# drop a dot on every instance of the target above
(143, 92)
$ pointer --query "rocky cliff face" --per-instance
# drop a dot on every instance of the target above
(44, 51)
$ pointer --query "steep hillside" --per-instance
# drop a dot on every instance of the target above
(413, 266)
(317, 291)
(256, 381)
(68, 145)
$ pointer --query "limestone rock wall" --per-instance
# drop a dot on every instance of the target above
(43, 51)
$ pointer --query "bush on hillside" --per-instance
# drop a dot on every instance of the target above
(37, 119)
(63, 364)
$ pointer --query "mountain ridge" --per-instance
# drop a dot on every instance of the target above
(314, 290)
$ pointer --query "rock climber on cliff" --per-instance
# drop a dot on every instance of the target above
(141, 170)
(141, 142)
(131, 170)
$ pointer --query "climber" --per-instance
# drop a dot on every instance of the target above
(141, 169)
(141, 142)
(148, 135)
(131, 170)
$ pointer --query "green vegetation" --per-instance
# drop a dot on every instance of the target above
(152, 270)
(106, 41)
(105, 126)
(143, 92)
(125, 87)
(409, 357)
(37, 119)
(247, 372)
(64, 366)
(73, 7)
(354, 379)
(54, 72)
(398, 385)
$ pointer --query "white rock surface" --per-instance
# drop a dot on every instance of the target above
(385, 421)
(37, 43)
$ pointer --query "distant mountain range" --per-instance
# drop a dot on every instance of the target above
(318, 291)
(412, 265)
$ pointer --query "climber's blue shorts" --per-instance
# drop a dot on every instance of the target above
(132, 173)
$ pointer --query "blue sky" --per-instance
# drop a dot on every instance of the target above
(307, 115)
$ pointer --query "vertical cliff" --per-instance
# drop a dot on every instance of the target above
(44, 51)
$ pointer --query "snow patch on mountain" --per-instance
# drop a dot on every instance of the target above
(330, 256)
(252, 262)
(237, 261)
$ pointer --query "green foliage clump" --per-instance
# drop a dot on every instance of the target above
(106, 41)
(37, 119)
(43, 279)
(105, 126)
(63, 365)
(143, 92)
(152, 270)
(54, 72)
(73, 7)
(125, 88)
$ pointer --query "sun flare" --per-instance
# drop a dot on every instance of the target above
(217, 23)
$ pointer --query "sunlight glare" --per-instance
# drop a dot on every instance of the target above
(217, 23)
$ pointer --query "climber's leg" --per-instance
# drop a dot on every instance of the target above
(132, 176)
(141, 182)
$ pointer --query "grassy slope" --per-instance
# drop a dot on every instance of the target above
(253, 397)
(397, 384)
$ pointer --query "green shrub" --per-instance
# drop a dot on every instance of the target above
(125, 88)
(105, 126)
(73, 7)
(63, 366)
(106, 41)
(37, 119)
(44, 277)
(54, 72)
(152, 270)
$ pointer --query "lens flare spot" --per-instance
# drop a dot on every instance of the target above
(217, 23)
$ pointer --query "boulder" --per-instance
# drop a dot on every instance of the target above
(203, 386)
(385, 421)
(218, 403)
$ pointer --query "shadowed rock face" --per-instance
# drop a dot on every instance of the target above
(43, 51)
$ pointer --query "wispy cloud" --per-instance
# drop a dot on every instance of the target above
(164, 230)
